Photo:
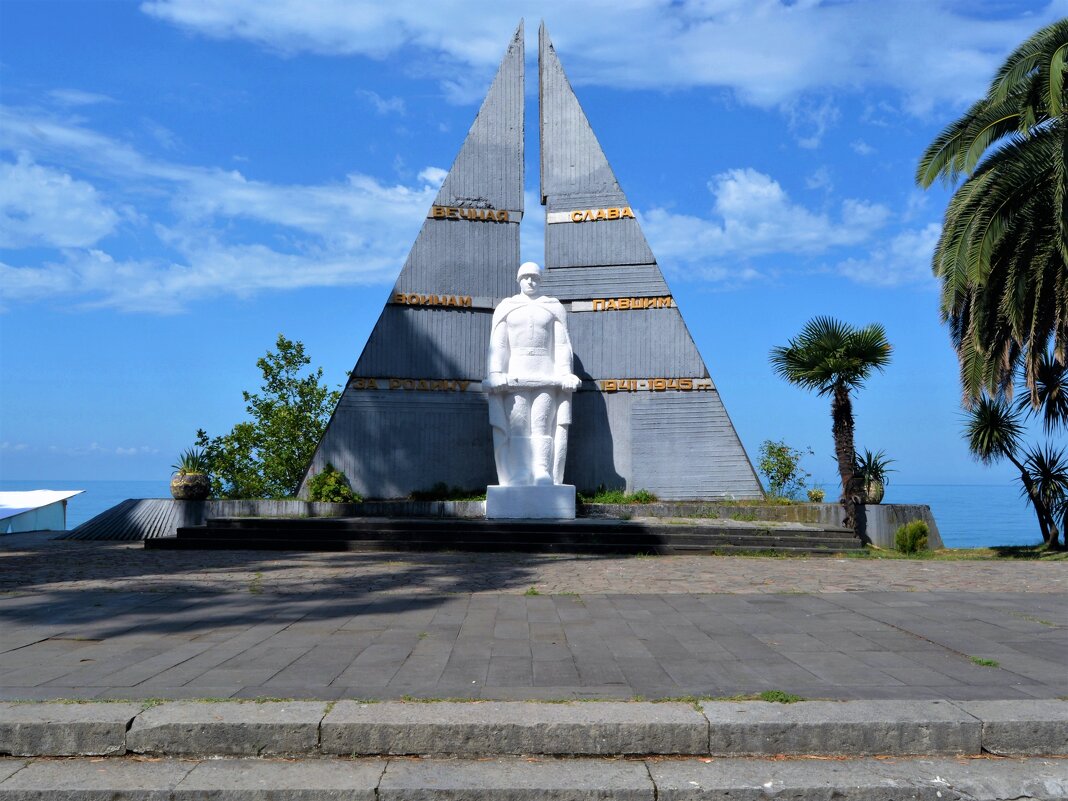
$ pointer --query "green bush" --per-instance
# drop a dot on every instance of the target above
(331, 486)
(781, 466)
(912, 537)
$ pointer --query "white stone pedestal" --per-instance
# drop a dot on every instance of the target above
(541, 501)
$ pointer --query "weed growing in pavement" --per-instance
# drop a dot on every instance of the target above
(981, 661)
(532, 592)
(1033, 619)
(255, 585)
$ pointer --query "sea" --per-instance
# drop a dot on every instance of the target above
(968, 515)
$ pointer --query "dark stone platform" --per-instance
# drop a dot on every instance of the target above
(586, 536)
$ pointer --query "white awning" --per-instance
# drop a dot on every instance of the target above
(15, 503)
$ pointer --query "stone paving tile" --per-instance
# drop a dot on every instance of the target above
(435, 625)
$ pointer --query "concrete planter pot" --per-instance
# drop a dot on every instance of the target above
(874, 491)
(190, 487)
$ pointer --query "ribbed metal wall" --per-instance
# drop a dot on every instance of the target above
(391, 442)
(677, 444)
(462, 258)
(640, 280)
(412, 342)
(588, 244)
(651, 343)
(684, 446)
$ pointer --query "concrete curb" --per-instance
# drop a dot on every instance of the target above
(533, 779)
(715, 728)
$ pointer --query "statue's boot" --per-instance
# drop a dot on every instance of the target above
(542, 463)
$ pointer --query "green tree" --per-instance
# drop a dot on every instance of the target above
(834, 359)
(781, 466)
(1003, 251)
(266, 456)
(995, 431)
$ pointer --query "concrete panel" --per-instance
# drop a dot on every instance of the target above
(181, 727)
(458, 257)
(648, 343)
(684, 446)
(64, 729)
(499, 728)
(630, 281)
(830, 727)
(572, 161)
(488, 172)
(390, 443)
(596, 243)
(426, 342)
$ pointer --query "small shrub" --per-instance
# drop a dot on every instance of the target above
(781, 466)
(816, 495)
(642, 496)
(912, 537)
(331, 486)
(193, 461)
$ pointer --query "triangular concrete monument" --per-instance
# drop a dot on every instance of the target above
(647, 415)
(413, 414)
(652, 417)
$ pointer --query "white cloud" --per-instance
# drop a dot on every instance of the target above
(810, 120)
(861, 148)
(820, 179)
(906, 259)
(768, 51)
(76, 97)
(382, 105)
(755, 217)
(43, 206)
(353, 232)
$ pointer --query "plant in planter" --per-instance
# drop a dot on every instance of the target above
(190, 481)
(872, 471)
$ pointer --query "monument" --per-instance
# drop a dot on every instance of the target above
(645, 413)
(529, 382)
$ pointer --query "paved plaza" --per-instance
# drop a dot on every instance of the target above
(111, 620)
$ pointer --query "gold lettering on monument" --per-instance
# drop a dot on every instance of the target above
(596, 215)
(416, 299)
(631, 304)
(656, 385)
(462, 213)
(411, 384)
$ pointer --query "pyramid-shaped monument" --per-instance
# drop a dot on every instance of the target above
(647, 415)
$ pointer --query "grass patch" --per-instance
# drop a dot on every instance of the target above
(983, 662)
(532, 592)
(779, 697)
(745, 517)
(602, 495)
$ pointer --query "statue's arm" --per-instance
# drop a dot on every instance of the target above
(563, 356)
(497, 359)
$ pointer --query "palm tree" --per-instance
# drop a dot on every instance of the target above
(834, 359)
(994, 431)
(1003, 254)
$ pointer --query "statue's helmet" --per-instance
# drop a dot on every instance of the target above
(528, 268)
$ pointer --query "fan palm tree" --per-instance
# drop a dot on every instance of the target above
(834, 359)
(1003, 253)
(994, 431)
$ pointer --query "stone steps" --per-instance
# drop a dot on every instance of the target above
(531, 779)
(589, 536)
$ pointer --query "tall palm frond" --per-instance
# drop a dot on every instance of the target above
(1002, 257)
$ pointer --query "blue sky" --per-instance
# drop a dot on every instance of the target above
(182, 180)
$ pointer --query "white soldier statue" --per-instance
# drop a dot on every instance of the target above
(529, 382)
